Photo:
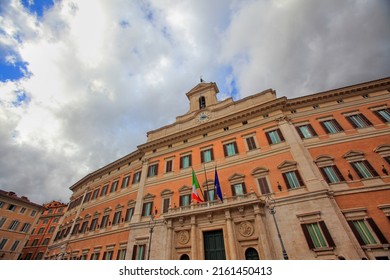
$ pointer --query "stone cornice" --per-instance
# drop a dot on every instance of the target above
(335, 94)
(111, 166)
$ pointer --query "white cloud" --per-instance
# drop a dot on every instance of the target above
(103, 73)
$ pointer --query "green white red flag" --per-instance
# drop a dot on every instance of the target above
(195, 187)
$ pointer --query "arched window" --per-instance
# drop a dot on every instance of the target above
(251, 254)
(184, 257)
(202, 102)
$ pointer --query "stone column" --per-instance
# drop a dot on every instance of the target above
(140, 193)
(194, 239)
(265, 242)
(169, 245)
(231, 237)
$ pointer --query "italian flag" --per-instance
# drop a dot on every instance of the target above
(195, 186)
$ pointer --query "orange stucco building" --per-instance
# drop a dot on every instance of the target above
(314, 168)
(18, 215)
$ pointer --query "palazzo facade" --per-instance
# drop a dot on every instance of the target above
(320, 162)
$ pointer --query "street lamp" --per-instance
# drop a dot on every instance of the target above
(271, 206)
(151, 228)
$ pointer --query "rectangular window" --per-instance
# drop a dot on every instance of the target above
(152, 170)
(364, 169)
(40, 231)
(209, 195)
(317, 235)
(87, 197)
(15, 245)
(292, 179)
(35, 242)
(125, 182)
(358, 121)
(95, 193)
(138, 252)
(33, 212)
(94, 256)
(84, 227)
(75, 229)
(2, 243)
(147, 209)
(104, 221)
(117, 218)
(332, 174)
(264, 188)
(238, 189)
(129, 214)
(1, 204)
(2, 221)
(306, 131)
(108, 255)
(166, 203)
(274, 136)
(114, 187)
(185, 161)
(104, 190)
(230, 149)
(365, 231)
(93, 224)
(383, 114)
(185, 200)
(168, 166)
(136, 177)
(121, 254)
(13, 225)
(22, 210)
(331, 126)
(46, 241)
(251, 143)
(206, 155)
(11, 207)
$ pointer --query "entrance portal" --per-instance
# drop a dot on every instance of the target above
(214, 247)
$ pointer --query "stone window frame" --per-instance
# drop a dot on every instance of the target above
(166, 194)
(259, 173)
(354, 156)
(291, 166)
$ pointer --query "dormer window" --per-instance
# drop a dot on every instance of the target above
(202, 102)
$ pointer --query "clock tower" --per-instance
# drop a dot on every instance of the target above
(202, 96)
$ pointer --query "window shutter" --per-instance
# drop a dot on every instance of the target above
(301, 183)
(366, 121)
(225, 150)
(307, 236)
(190, 160)
(263, 185)
(143, 252)
(280, 135)
(337, 125)
(243, 187)
(372, 170)
(377, 231)
(212, 154)
(313, 132)
(323, 173)
(233, 190)
(351, 122)
(341, 177)
(235, 147)
(181, 162)
(356, 233)
(300, 132)
(202, 156)
(324, 127)
(134, 255)
(327, 235)
(286, 180)
(357, 170)
(268, 138)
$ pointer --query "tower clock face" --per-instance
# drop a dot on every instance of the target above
(204, 116)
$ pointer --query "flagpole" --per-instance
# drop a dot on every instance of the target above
(207, 185)
(201, 191)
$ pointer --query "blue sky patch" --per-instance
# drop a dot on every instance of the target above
(38, 6)
(12, 72)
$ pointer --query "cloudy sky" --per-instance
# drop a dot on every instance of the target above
(81, 82)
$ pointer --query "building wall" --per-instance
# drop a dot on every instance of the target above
(17, 218)
(312, 207)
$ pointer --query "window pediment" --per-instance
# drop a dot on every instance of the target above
(185, 189)
(236, 178)
(166, 193)
(131, 203)
(383, 149)
(287, 165)
(149, 196)
(260, 171)
(354, 155)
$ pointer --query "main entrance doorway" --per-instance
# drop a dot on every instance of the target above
(214, 247)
